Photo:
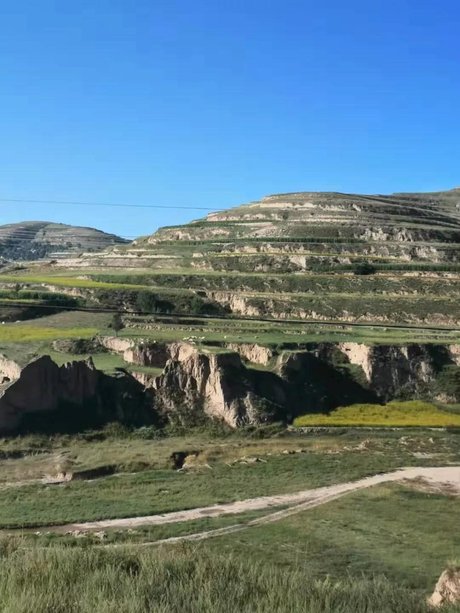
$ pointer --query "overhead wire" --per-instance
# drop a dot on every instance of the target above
(187, 207)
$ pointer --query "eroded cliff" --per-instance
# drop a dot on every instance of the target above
(240, 385)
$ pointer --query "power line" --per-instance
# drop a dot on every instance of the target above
(112, 204)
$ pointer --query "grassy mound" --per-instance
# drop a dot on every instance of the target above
(394, 414)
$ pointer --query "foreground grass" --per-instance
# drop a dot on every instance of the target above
(374, 551)
(393, 530)
(413, 413)
(182, 580)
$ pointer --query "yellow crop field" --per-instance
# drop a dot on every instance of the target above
(15, 333)
(394, 414)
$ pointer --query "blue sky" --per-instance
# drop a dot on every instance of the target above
(215, 103)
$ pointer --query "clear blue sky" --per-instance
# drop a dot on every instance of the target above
(215, 103)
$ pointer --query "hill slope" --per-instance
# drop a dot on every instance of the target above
(310, 256)
(32, 240)
(324, 217)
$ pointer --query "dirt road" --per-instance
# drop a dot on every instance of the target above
(299, 501)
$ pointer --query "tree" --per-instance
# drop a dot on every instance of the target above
(117, 323)
(146, 302)
(364, 268)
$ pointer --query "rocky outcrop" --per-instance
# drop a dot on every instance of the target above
(78, 346)
(256, 354)
(200, 383)
(197, 382)
(218, 385)
(147, 352)
(157, 354)
(113, 343)
(447, 590)
(42, 386)
(9, 370)
(400, 370)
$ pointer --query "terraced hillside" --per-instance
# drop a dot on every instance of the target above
(315, 256)
(32, 240)
(287, 306)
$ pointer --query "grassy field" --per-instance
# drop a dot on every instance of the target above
(74, 324)
(184, 580)
(146, 483)
(14, 333)
(383, 297)
(379, 550)
(374, 551)
(66, 281)
(412, 413)
(392, 530)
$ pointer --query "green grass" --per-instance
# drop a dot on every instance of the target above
(413, 413)
(397, 531)
(157, 489)
(373, 551)
(141, 534)
(66, 281)
(13, 333)
(107, 362)
(181, 580)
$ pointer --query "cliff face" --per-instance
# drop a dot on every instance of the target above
(319, 378)
(407, 370)
(45, 396)
(220, 386)
(42, 386)
(197, 384)
(149, 353)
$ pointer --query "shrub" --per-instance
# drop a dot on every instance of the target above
(364, 268)
(117, 323)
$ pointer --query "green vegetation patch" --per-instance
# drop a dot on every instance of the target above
(400, 532)
(28, 333)
(413, 413)
(63, 281)
(183, 579)
(161, 491)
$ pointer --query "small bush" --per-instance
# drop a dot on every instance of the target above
(364, 268)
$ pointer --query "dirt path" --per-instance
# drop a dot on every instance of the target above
(299, 501)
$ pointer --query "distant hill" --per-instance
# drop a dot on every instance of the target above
(402, 218)
(316, 256)
(33, 240)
